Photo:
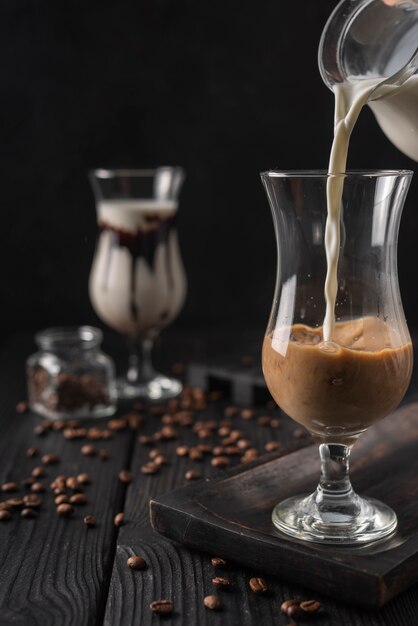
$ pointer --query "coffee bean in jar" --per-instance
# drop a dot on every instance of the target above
(70, 376)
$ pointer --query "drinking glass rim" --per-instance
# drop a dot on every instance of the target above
(132, 172)
(325, 174)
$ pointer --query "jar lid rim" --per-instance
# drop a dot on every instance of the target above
(69, 336)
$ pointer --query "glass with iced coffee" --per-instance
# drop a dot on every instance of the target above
(336, 369)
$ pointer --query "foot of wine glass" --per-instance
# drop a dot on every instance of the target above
(141, 380)
(334, 513)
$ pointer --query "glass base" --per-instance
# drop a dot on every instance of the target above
(158, 388)
(360, 521)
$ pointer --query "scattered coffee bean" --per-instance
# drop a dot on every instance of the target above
(31, 452)
(58, 425)
(74, 433)
(264, 420)
(32, 501)
(204, 433)
(232, 450)
(192, 475)
(74, 424)
(153, 453)
(104, 454)
(50, 459)
(72, 483)
(217, 561)
(89, 521)
(117, 424)
(150, 468)
(39, 431)
(250, 455)
(146, 440)
(230, 411)
(65, 510)
(168, 433)
(258, 585)
(220, 461)
(204, 448)
(275, 423)
(221, 583)
(285, 606)
(157, 409)
(218, 451)
(224, 431)
(83, 479)
(243, 444)
(136, 562)
(89, 449)
(78, 499)
(310, 606)
(5, 515)
(22, 407)
(271, 446)
(15, 502)
(61, 499)
(5, 506)
(28, 513)
(299, 433)
(161, 459)
(125, 476)
(118, 519)
(213, 603)
(94, 434)
(247, 414)
(294, 611)
(106, 434)
(9, 487)
(182, 450)
(38, 487)
(195, 454)
(134, 420)
(162, 607)
(38, 472)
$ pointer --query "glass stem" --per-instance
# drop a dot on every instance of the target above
(334, 481)
(140, 362)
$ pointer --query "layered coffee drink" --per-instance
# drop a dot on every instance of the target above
(137, 283)
(337, 389)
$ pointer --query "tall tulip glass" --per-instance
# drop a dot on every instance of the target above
(137, 281)
(337, 388)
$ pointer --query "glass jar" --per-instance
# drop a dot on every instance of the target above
(70, 377)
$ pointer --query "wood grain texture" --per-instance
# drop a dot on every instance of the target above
(184, 576)
(55, 571)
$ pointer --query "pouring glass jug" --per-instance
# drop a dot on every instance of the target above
(377, 39)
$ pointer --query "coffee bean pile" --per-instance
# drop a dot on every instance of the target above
(183, 431)
(68, 491)
(221, 441)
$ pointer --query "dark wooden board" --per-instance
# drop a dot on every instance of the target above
(232, 514)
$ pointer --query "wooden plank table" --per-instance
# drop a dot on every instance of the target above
(58, 571)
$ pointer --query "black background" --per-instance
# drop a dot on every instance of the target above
(224, 89)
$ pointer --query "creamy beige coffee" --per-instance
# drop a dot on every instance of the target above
(337, 390)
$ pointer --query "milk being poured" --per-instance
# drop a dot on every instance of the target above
(396, 109)
(349, 100)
